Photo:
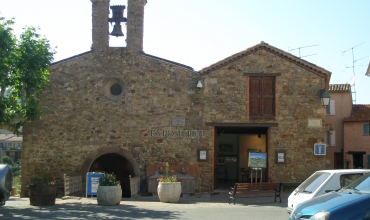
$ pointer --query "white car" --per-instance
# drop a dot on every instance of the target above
(321, 182)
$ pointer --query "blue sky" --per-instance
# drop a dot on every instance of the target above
(199, 33)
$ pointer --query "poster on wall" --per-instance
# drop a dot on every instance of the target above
(257, 160)
(319, 149)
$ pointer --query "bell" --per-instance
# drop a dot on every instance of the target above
(117, 31)
(117, 18)
(117, 11)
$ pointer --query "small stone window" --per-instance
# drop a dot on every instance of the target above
(114, 88)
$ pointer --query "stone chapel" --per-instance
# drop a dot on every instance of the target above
(121, 110)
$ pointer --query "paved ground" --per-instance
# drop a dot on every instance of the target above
(204, 206)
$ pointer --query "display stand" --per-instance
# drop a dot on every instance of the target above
(92, 183)
(254, 174)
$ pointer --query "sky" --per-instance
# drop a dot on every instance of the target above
(332, 34)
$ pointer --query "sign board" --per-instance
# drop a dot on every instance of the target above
(319, 149)
(178, 121)
(92, 183)
(314, 122)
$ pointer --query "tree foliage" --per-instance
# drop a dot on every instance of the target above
(6, 160)
(24, 74)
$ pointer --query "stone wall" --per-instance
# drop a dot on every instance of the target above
(80, 116)
(226, 92)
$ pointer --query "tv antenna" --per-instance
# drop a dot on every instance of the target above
(299, 50)
(353, 68)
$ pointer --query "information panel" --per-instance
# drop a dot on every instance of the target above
(92, 183)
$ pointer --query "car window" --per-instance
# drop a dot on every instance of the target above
(346, 179)
(362, 184)
(313, 182)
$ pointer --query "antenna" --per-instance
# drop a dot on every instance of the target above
(299, 49)
(352, 81)
(353, 69)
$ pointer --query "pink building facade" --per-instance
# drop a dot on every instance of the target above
(357, 137)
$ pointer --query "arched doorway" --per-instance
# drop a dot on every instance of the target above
(117, 164)
(123, 155)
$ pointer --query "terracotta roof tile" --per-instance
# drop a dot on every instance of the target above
(339, 88)
(359, 113)
(269, 48)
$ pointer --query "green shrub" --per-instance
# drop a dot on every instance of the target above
(109, 180)
(15, 168)
(17, 183)
(43, 179)
(6, 160)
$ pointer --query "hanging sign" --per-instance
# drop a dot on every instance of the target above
(92, 183)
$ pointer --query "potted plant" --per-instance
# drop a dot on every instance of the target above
(169, 190)
(43, 190)
(109, 190)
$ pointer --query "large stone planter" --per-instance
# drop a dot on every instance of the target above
(42, 195)
(109, 195)
(169, 191)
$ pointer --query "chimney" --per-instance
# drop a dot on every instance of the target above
(135, 24)
(100, 28)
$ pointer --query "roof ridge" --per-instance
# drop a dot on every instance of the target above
(270, 48)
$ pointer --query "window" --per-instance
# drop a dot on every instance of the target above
(330, 138)
(313, 182)
(262, 96)
(330, 109)
(349, 178)
(365, 129)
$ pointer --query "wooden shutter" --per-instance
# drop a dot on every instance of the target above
(332, 107)
(255, 96)
(262, 96)
(268, 96)
(332, 139)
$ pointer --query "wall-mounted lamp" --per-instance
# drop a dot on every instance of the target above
(199, 85)
(330, 129)
(325, 97)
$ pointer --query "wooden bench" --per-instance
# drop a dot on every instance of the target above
(255, 188)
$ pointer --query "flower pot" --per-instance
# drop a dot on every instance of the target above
(109, 195)
(42, 195)
(169, 191)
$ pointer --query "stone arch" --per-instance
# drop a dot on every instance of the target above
(108, 150)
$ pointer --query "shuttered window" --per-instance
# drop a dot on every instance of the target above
(330, 138)
(262, 96)
(365, 128)
(330, 109)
